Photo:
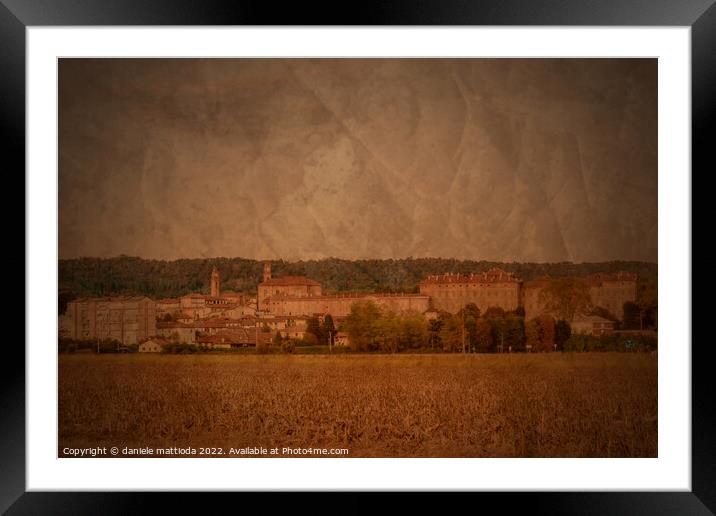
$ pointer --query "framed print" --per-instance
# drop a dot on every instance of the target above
(419, 253)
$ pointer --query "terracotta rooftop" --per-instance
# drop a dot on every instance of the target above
(494, 275)
(590, 318)
(593, 280)
(347, 295)
(236, 336)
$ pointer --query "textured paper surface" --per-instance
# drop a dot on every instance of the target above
(503, 159)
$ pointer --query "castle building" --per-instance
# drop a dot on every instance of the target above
(125, 319)
(339, 305)
(290, 286)
(606, 290)
(298, 295)
(197, 306)
(612, 290)
(494, 288)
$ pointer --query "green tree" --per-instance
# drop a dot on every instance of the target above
(647, 301)
(515, 333)
(632, 316)
(533, 334)
(495, 312)
(287, 346)
(451, 333)
(566, 297)
(360, 325)
(434, 327)
(388, 332)
(328, 329)
(547, 333)
(469, 316)
(484, 342)
(310, 339)
(562, 332)
(414, 331)
(314, 327)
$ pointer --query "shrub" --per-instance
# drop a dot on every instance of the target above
(288, 346)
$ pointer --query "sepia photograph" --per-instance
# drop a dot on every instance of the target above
(357, 258)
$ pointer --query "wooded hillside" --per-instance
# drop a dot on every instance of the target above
(159, 278)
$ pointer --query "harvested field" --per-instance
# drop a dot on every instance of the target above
(518, 405)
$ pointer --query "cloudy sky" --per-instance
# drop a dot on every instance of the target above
(496, 159)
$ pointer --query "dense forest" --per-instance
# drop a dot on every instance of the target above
(161, 278)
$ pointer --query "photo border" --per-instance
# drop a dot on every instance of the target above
(699, 15)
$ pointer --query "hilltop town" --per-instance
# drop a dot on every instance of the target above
(292, 307)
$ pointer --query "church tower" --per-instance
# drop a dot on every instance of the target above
(215, 282)
(267, 271)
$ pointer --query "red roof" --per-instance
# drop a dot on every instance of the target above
(291, 281)
(345, 295)
(494, 275)
(236, 336)
(594, 280)
(215, 322)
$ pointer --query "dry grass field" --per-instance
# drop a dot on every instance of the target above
(537, 405)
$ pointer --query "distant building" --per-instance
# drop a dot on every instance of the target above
(494, 288)
(607, 290)
(194, 306)
(611, 291)
(151, 346)
(177, 331)
(235, 338)
(64, 326)
(431, 314)
(339, 305)
(289, 286)
(592, 325)
(294, 332)
(170, 306)
(126, 319)
(215, 290)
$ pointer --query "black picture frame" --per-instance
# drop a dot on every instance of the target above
(17, 15)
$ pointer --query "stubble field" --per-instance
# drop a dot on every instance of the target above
(536, 405)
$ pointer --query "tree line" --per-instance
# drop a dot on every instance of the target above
(372, 329)
(128, 275)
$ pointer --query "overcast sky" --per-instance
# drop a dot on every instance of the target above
(496, 159)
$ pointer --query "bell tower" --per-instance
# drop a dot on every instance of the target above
(267, 271)
(215, 292)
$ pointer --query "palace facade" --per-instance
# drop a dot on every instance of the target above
(606, 290)
(128, 320)
(451, 292)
